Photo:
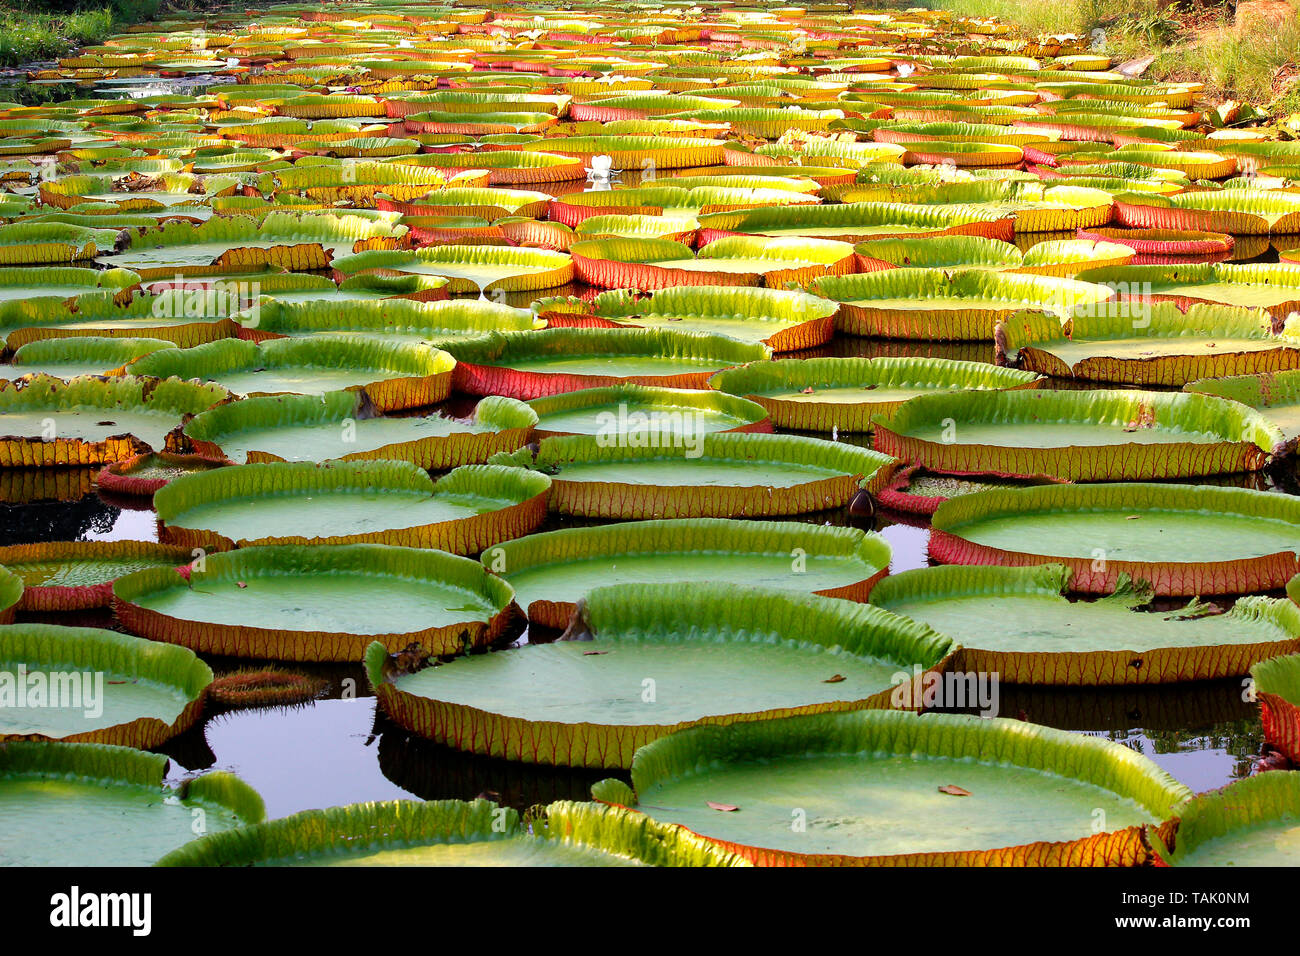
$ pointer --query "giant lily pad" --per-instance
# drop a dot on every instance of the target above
(342, 425)
(736, 260)
(317, 603)
(1253, 822)
(396, 320)
(856, 221)
(528, 365)
(88, 420)
(713, 475)
(883, 788)
(68, 358)
(85, 685)
(785, 320)
(843, 394)
(1277, 687)
(718, 655)
(1095, 435)
(392, 502)
(476, 269)
(934, 304)
(628, 410)
(454, 833)
(393, 375)
(1147, 344)
(1254, 285)
(98, 805)
(1276, 395)
(297, 242)
(75, 575)
(1236, 211)
(1016, 623)
(551, 572)
(1184, 540)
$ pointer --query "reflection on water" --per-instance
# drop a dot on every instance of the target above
(1205, 733)
(337, 751)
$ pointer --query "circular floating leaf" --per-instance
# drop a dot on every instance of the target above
(737, 260)
(298, 603)
(1016, 623)
(389, 502)
(883, 788)
(394, 375)
(1184, 540)
(1147, 343)
(68, 358)
(454, 833)
(1080, 436)
(528, 365)
(550, 572)
(625, 410)
(1253, 822)
(719, 655)
(99, 805)
(395, 320)
(672, 475)
(842, 394)
(87, 421)
(785, 320)
(468, 269)
(1277, 685)
(936, 305)
(76, 575)
(85, 685)
(343, 426)
(145, 473)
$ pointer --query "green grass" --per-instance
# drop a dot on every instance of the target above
(1190, 44)
(46, 31)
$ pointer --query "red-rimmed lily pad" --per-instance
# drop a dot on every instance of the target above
(528, 365)
(1016, 622)
(736, 260)
(1182, 539)
(75, 575)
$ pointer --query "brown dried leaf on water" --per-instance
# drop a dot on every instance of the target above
(593, 653)
(954, 790)
(723, 807)
(1131, 517)
(834, 680)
